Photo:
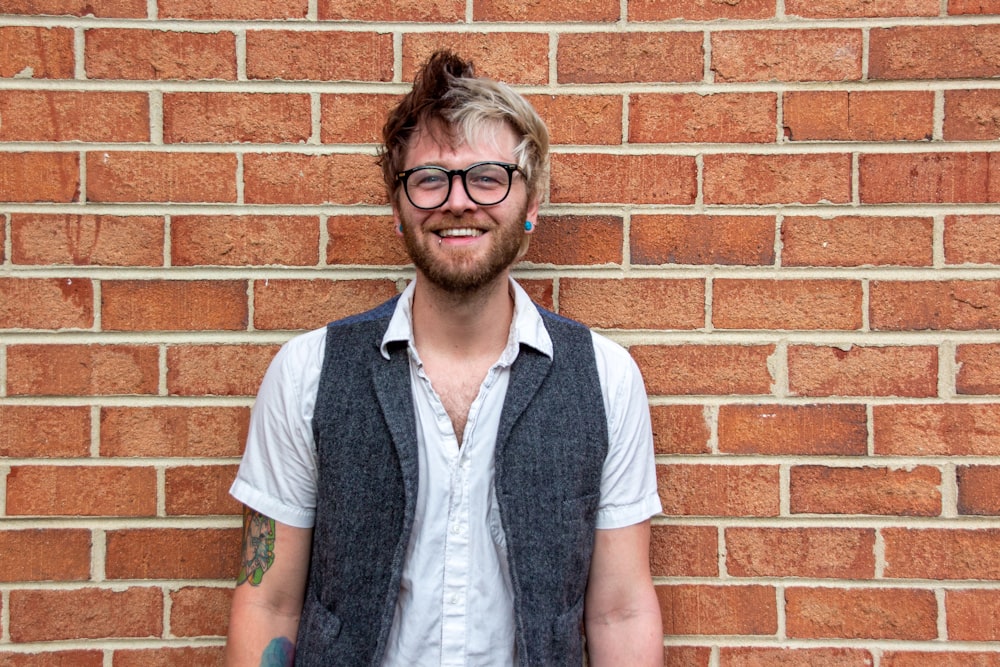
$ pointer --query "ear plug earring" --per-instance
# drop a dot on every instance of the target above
(528, 225)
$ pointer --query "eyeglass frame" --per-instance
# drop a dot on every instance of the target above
(511, 168)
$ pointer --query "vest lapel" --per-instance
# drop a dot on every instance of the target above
(526, 376)
(392, 385)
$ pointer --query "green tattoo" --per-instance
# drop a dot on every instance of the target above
(258, 547)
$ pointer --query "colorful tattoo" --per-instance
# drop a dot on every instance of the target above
(258, 548)
(279, 653)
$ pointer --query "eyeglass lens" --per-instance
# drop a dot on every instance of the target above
(486, 184)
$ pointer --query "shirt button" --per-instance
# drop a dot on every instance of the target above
(454, 599)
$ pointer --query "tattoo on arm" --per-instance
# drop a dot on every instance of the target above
(279, 653)
(258, 548)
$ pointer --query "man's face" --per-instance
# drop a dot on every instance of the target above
(462, 246)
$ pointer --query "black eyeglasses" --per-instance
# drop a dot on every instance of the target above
(486, 183)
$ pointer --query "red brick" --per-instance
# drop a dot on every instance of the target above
(683, 370)
(172, 553)
(81, 240)
(777, 179)
(633, 179)
(939, 659)
(699, 10)
(126, 53)
(46, 303)
(199, 611)
(161, 177)
(787, 55)
(841, 9)
(448, 11)
(70, 658)
(940, 429)
(634, 303)
(978, 369)
(718, 610)
(200, 490)
(786, 304)
(82, 370)
(284, 178)
(973, 615)
(247, 10)
(177, 432)
(702, 239)
(236, 117)
(541, 291)
(963, 305)
(581, 119)
(46, 177)
(35, 490)
(85, 613)
(307, 304)
(737, 491)
(105, 9)
(49, 115)
(364, 239)
(513, 57)
(695, 118)
(347, 118)
(630, 57)
(973, 239)
(863, 371)
(574, 240)
(973, 7)
(859, 115)
(235, 240)
(686, 656)
(972, 115)
(591, 11)
(680, 429)
(914, 491)
(684, 551)
(44, 555)
(42, 431)
(857, 241)
(319, 56)
(861, 613)
(934, 52)
(937, 178)
(752, 656)
(204, 656)
(174, 305)
(844, 553)
(805, 430)
(37, 53)
(942, 554)
(978, 490)
(218, 370)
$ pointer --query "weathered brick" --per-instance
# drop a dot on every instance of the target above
(857, 241)
(974, 6)
(174, 305)
(85, 613)
(513, 57)
(219, 370)
(200, 611)
(934, 52)
(634, 179)
(695, 118)
(161, 177)
(200, 490)
(718, 610)
(842, 553)
(777, 179)
(861, 613)
(105, 9)
(42, 431)
(945, 429)
(942, 554)
(128, 53)
(82, 370)
(185, 656)
(319, 56)
(68, 658)
(581, 119)
(39, 177)
(699, 10)
(978, 369)
(34, 490)
(862, 371)
(973, 239)
(787, 55)
(912, 491)
(236, 117)
(80, 240)
(809, 430)
(702, 239)
(737, 490)
(541, 291)
(972, 115)
(347, 118)
(973, 615)
(786, 304)
(54, 115)
(44, 555)
(686, 656)
(634, 303)
(684, 551)
(574, 240)
(630, 57)
(364, 239)
(235, 240)
(680, 429)
(840, 9)
(36, 53)
(753, 656)
(307, 304)
(46, 303)
(153, 553)
(448, 11)
(704, 369)
(590, 11)
(173, 431)
(937, 178)
(962, 305)
(284, 178)
(978, 490)
(858, 115)
(245, 10)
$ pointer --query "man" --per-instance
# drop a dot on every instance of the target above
(456, 477)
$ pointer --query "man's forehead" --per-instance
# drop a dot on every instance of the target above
(495, 136)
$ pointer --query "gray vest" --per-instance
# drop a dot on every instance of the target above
(551, 445)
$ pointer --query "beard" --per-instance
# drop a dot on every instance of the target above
(460, 271)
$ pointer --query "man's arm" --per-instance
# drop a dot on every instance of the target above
(621, 612)
(269, 593)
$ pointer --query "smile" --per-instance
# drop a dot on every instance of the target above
(459, 232)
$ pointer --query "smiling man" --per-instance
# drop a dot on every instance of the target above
(456, 477)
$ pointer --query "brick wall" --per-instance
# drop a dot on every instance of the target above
(786, 209)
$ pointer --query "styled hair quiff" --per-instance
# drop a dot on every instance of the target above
(448, 97)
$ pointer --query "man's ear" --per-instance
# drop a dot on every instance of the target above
(397, 223)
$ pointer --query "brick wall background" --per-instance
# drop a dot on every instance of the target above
(786, 209)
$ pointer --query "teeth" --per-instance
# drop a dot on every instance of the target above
(461, 231)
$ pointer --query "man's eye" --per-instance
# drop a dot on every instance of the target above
(429, 179)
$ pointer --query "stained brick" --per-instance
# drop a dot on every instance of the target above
(161, 177)
(42, 431)
(152, 553)
(364, 239)
(857, 241)
(811, 430)
(838, 9)
(85, 613)
(973, 7)
(973, 239)
(635, 179)
(319, 56)
(82, 370)
(859, 115)
(752, 656)
(574, 240)
(912, 491)
(680, 429)
(591, 11)
(630, 57)
(104, 240)
(35, 52)
(634, 303)
(200, 490)
(863, 371)
(938, 429)
(787, 55)
(718, 610)
(702, 239)
(35, 490)
(220, 370)
(185, 656)
(972, 115)
(978, 369)
(307, 304)
(737, 490)
(347, 118)
(513, 57)
(44, 555)
(127, 53)
(978, 490)
(940, 659)
(695, 118)
(51, 115)
(247, 10)
(843, 553)
(698, 10)
(173, 431)
(236, 117)
(861, 613)
(704, 369)
(199, 611)
(939, 178)
(934, 52)
(962, 305)
(448, 11)
(46, 303)
(777, 179)
(942, 554)
(70, 658)
(581, 119)
(786, 304)
(105, 9)
(39, 177)
(973, 615)
(174, 305)
(234, 240)
(684, 551)
(283, 178)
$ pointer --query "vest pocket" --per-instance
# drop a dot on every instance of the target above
(317, 628)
